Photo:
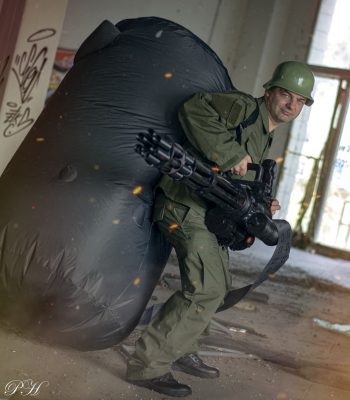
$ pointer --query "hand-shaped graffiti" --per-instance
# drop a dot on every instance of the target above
(27, 68)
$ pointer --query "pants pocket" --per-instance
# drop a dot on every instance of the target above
(158, 211)
(180, 213)
(171, 218)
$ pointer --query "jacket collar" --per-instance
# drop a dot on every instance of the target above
(264, 114)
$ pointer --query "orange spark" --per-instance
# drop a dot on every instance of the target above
(168, 75)
(279, 160)
(137, 190)
(249, 240)
(173, 226)
(215, 168)
(137, 281)
(39, 139)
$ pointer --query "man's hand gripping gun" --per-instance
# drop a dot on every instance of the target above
(241, 209)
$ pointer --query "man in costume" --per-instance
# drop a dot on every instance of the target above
(230, 130)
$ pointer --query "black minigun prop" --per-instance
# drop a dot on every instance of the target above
(241, 208)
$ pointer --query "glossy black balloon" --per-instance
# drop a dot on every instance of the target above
(79, 257)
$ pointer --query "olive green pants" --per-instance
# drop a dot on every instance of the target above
(205, 280)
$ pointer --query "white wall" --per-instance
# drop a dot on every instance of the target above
(208, 19)
(217, 22)
(26, 79)
(250, 36)
(273, 31)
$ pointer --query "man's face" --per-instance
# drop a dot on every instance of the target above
(282, 105)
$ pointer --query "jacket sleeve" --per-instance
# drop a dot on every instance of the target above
(205, 125)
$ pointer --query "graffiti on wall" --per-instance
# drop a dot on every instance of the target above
(27, 69)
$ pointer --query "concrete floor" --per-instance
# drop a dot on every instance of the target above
(302, 266)
(267, 347)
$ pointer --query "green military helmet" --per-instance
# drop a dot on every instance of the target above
(295, 77)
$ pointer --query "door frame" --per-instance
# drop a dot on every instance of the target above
(330, 152)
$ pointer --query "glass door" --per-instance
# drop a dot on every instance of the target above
(304, 155)
(333, 226)
(314, 183)
(315, 180)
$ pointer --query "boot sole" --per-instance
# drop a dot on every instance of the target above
(196, 373)
(168, 392)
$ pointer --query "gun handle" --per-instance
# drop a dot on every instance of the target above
(265, 172)
(258, 171)
(269, 173)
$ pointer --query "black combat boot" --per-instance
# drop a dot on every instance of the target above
(165, 384)
(193, 365)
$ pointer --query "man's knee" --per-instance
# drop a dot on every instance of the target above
(206, 302)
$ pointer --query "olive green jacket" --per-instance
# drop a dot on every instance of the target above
(206, 120)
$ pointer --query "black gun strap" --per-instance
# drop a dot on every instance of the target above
(278, 258)
(247, 122)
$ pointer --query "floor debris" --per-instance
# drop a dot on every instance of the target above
(340, 328)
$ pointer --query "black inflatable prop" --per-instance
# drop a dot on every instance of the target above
(79, 258)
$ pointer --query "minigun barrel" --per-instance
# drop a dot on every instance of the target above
(173, 160)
